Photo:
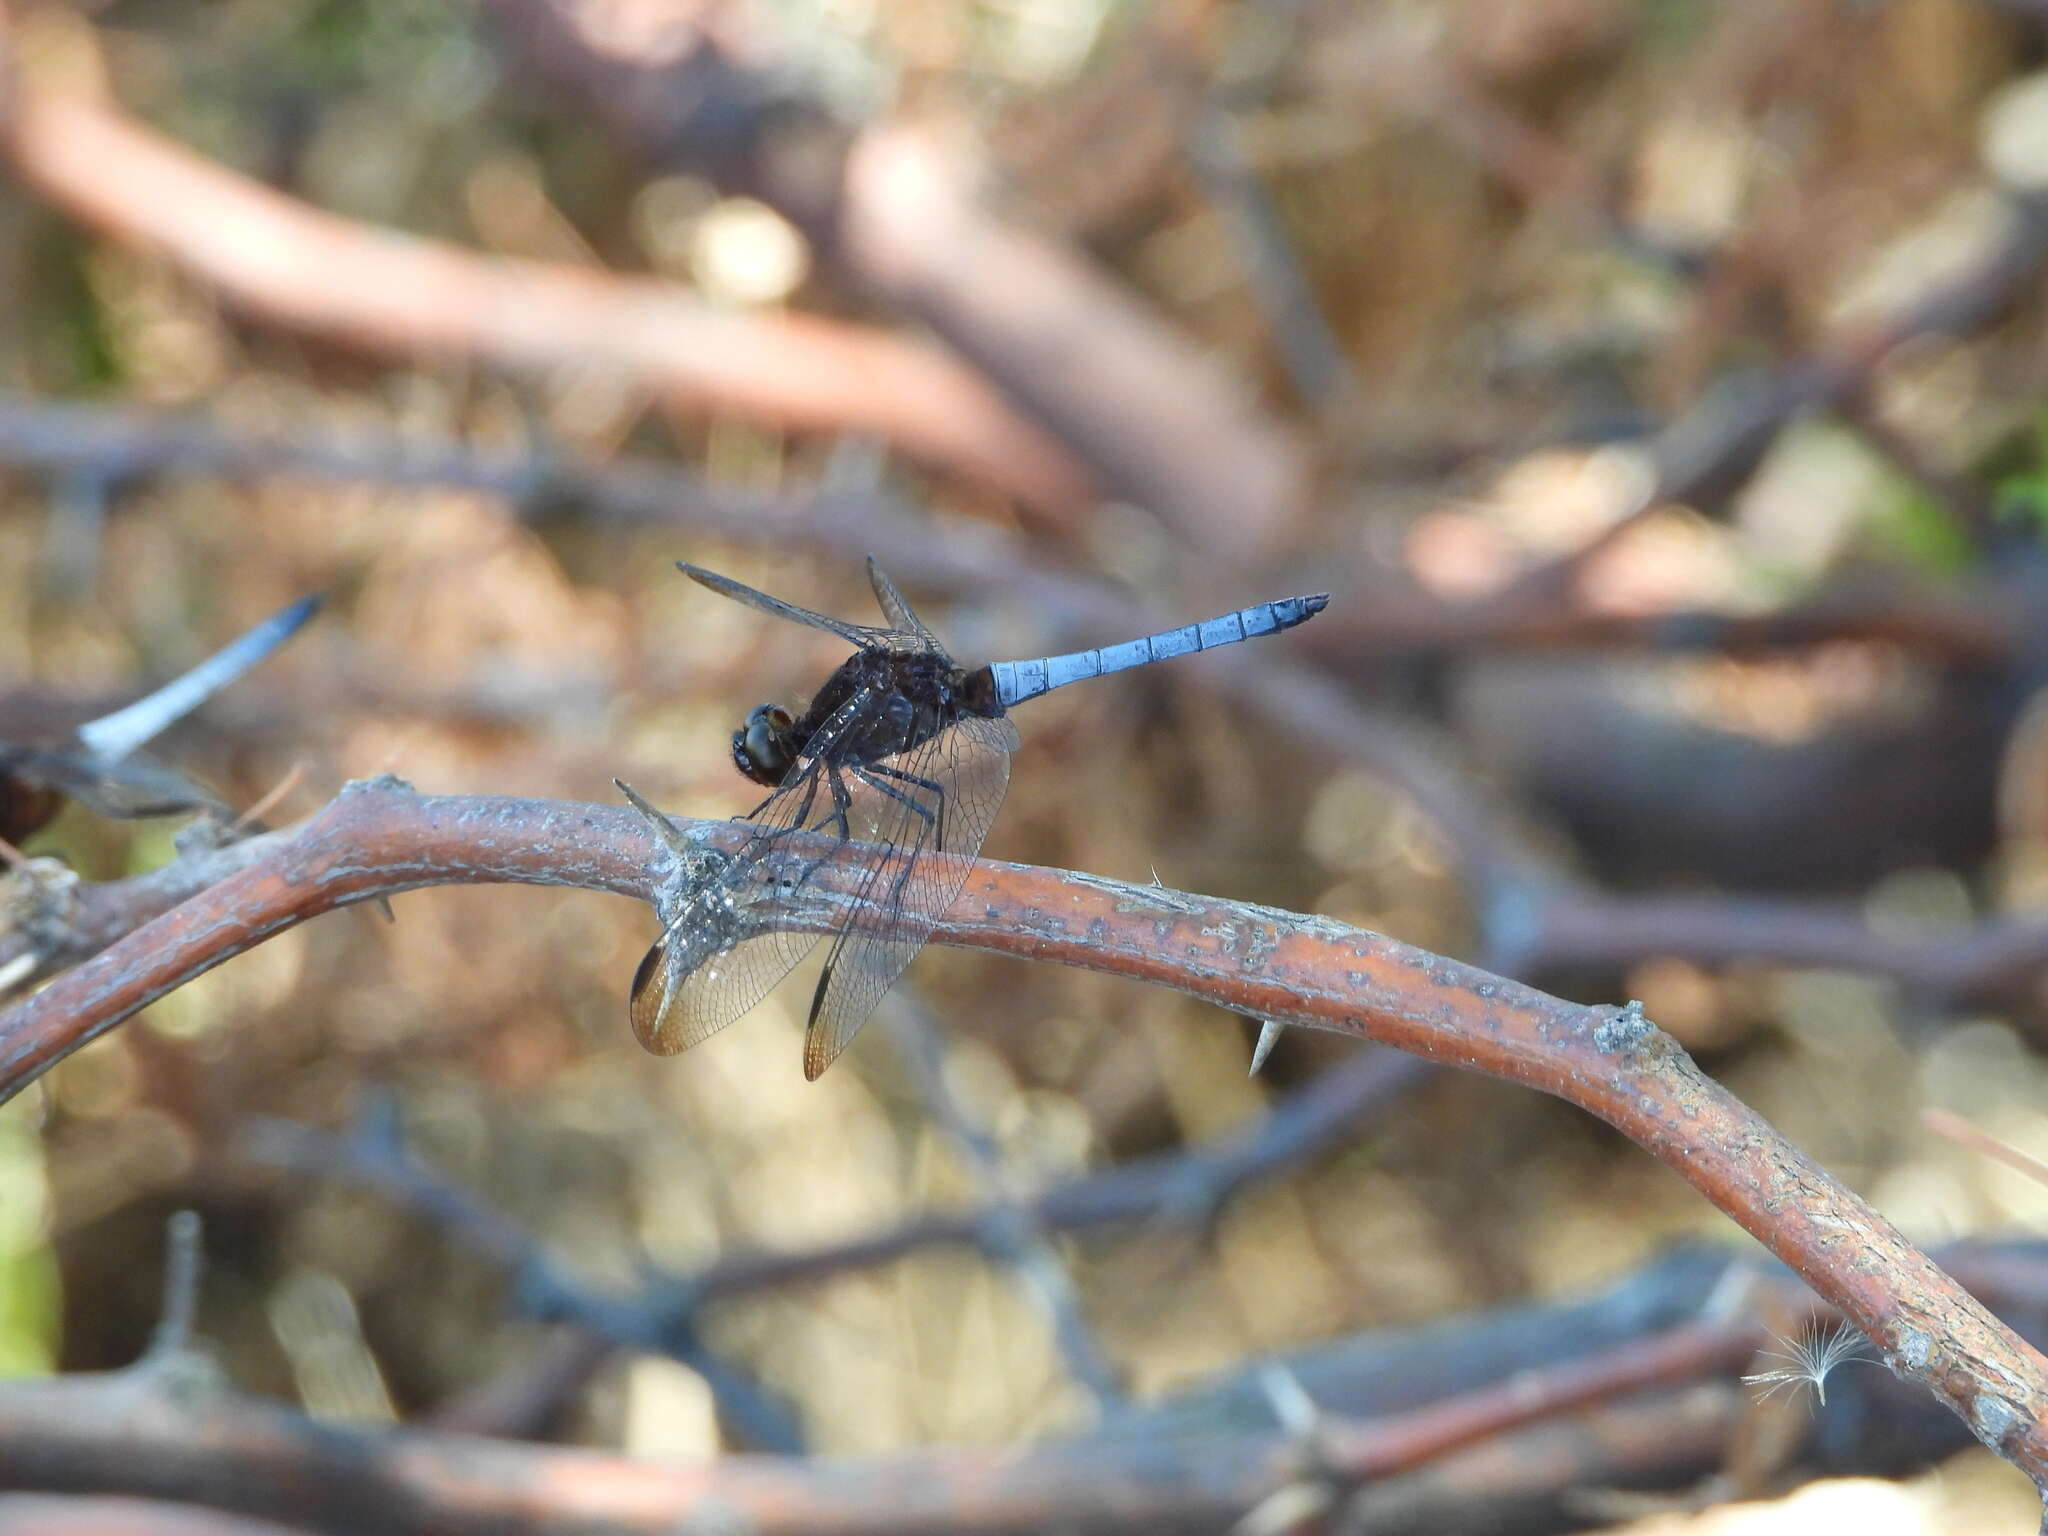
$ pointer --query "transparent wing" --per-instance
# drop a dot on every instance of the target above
(127, 788)
(902, 619)
(865, 636)
(713, 960)
(683, 996)
(922, 815)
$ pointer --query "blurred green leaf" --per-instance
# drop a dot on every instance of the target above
(73, 337)
(2023, 497)
(1913, 527)
(30, 1297)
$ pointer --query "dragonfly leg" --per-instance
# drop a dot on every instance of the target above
(810, 795)
(752, 861)
(801, 790)
(872, 776)
(935, 823)
(842, 802)
(842, 798)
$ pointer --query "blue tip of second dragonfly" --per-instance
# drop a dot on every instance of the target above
(260, 642)
(292, 619)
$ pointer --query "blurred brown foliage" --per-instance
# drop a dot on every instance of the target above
(1460, 254)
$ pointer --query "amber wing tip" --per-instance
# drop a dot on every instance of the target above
(644, 1008)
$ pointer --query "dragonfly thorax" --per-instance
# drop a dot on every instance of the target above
(876, 705)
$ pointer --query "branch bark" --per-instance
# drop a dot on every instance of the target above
(379, 839)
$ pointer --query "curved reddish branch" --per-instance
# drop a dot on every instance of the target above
(383, 291)
(379, 838)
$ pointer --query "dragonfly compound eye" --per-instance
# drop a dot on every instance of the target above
(760, 748)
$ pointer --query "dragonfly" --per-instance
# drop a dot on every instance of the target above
(900, 760)
(102, 766)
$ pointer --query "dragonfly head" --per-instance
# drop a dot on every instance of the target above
(762, 749)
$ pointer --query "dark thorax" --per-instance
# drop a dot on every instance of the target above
(900, 699)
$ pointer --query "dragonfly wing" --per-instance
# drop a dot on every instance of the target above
(866, 636)
(901, 616)
(684, 994)
(128, 788)
(715, 959)
(923, 815)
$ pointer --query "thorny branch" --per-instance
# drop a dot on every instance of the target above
(379, 839)
(148, 1432)
(260, 1459)
(1299, 1431)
